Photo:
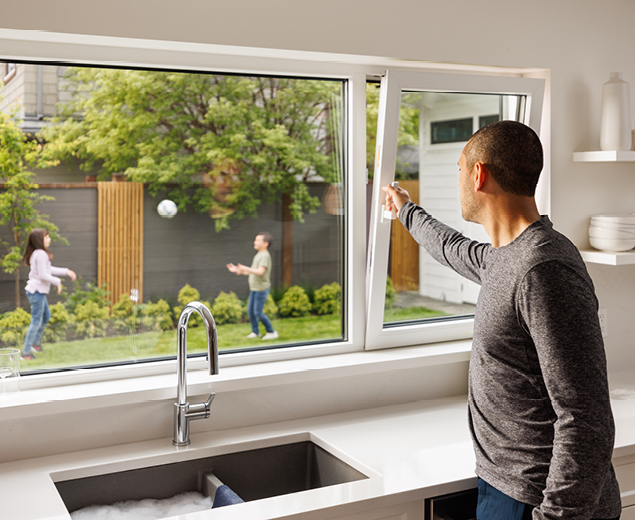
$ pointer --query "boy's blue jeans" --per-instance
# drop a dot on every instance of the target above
(495, 505)
(40, 315)
(255, 312)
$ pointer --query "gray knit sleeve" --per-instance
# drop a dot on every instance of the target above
(446, 245)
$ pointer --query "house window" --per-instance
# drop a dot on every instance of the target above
(453, 131)
(488, 120)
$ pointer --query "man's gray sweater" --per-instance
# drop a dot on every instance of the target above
(539, 408)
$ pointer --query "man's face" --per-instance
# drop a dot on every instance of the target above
(469, 204)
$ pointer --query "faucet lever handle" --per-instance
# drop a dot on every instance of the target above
(208, 404)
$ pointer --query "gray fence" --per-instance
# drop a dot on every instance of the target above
(187, 249)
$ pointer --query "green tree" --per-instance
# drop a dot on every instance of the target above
(223, 144)
(18, 197)
(408, 126)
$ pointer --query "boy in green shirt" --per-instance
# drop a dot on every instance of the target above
(259, 285)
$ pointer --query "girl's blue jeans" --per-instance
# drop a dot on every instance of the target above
(255, 311)
(40, 315)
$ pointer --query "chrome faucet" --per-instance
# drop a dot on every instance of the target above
(183, 411)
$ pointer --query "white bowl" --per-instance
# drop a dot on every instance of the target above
(612, 244)
(608, 232)
(618, 218)
(610, 225)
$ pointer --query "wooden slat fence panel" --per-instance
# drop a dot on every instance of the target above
(120, 237)
(404, 263)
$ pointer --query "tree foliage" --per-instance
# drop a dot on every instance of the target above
(408, 126)
(19, 198)
(247, 139)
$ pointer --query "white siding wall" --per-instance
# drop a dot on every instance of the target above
(439, 194)
(13, 91)
(22, 89)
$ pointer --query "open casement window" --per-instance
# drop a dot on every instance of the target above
(424, 121)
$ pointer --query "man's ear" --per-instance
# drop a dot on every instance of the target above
(481, 173)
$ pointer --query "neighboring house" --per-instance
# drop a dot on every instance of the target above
(36, 89)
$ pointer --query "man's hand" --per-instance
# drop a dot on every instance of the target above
(395, 197)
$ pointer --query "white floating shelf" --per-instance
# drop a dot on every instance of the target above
(604, 156)
(608, 258)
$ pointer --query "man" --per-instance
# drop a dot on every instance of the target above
(538, 404)
(259, 286)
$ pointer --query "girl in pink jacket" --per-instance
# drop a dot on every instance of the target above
(41, 276)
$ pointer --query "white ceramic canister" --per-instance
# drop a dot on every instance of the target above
(615, 130)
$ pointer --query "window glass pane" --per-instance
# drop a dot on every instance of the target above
(419, 288)
(159, 188)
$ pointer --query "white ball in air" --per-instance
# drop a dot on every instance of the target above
(166, 208)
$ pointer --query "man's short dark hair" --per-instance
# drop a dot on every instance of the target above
(266, 237)
(512, 153)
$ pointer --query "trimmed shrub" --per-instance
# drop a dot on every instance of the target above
(57, 327)
(391, 294)
(90, 293)
(123, 308)
(227, 308)
(270, 308)
(91, 319)
(294, 303)
(186, 295)
(13, 327)
(276, 293)
(328, 299)
(125, 318)
(157, 316)
(310, 292)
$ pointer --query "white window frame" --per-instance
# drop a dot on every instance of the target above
(56, 48)
(392, 85)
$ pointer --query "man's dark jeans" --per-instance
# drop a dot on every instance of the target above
(494, 505)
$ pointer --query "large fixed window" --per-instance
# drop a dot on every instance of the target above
(165, 187)
(411, 298)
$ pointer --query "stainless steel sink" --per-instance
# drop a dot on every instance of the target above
(252, 475)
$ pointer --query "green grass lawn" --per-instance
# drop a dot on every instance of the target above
(150, 345)
(410, 313)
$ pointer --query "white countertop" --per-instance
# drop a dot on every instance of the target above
(416, 449)
(410, 452)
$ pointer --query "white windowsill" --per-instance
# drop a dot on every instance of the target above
(84, 396)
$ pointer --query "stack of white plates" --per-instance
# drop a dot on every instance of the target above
(612, 232)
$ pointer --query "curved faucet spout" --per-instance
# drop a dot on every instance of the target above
(183, 411)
